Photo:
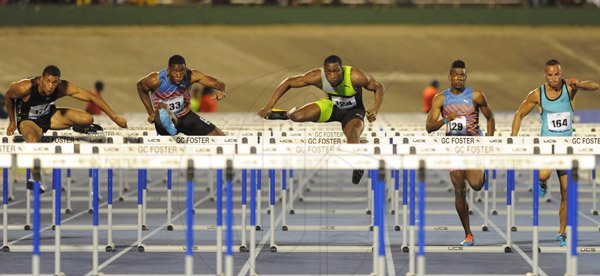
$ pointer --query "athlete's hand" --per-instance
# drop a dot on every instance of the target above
(219, 95)
(120, 121)
(371, 115)
(574, 83)
(264, 112)
(151, 118)
(10, 130)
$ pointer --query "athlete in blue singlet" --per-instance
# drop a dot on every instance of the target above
(555, 100)
(169, 108)
(459, 106)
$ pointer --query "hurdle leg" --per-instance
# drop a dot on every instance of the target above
(13, 179)
(421, 253)
(57, 240)
(219, 222)
(405, 211)
(259, 201)
(243, 245)
(95, 242)
(535, 241)
(396, 200)
(144, 199)
(370, 197)
(229, 220)
(494, 198)
(411, 242)
(5, 209)
(594, 210)
(273, 245)
(140, 245)
(90, 191)
(69, 209)
(189, 255)
(292, 192)
(109, 243)
(252, 256)
(484, 227)
(509, 176)
(28, 199)
(35, 259)
(375, 224)
(121, 184)
(169, 200)
(284, 226)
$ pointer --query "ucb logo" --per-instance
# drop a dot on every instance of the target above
(587, 250)
(455, 248)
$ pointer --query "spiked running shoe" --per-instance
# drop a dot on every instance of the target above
(165, 121)
(357, 175)
(543, 189)
(562, 239)
(30, 186)
(469, 241)
(278, 114)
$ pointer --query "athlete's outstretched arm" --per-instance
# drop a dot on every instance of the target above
(208, 81)
(433, 123)
(526, 106)
(82, 94)
(146, 85)
(486, 110)
(361, 79)
(15, 91)
(312, 77)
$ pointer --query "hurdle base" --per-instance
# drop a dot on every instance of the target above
(485, 228)
(170, 227)
(141, 248)
(243, 249)
(405, 248)
(594, 212)
(110, 247)
(292, 212)
(273, 248)
(26, 227)
(68, 211)
(397, 228)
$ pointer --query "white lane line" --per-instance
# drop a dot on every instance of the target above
(133, 245)
(513, 245)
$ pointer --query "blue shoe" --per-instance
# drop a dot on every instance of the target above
(562, 239)
(543, 188)
(166, 122)
(469, 241)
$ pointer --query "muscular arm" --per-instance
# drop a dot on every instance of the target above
(15, 91)
(208, 81)
(145, 85)
(359, 78)
(574, 85)
(433, 123)
(82, 94)
(526, 106)
(486, 110)
(312, 77)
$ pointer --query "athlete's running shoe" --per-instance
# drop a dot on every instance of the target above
(278, 114)
(357, 175)
(562, 239)
(469, 241)
(165, 121)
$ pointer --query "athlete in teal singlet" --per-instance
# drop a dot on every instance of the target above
(555, 100)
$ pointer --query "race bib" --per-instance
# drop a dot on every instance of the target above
(344, 102)
(39, 110)
(559, 122)
(175, 104)
(457, 127)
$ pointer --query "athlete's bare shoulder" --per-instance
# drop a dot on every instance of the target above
(20, 88)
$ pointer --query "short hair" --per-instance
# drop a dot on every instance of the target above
(51, 70)
(552, 62)
(176, 59)
(332, 59)
(458, 64)
(99, 85)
